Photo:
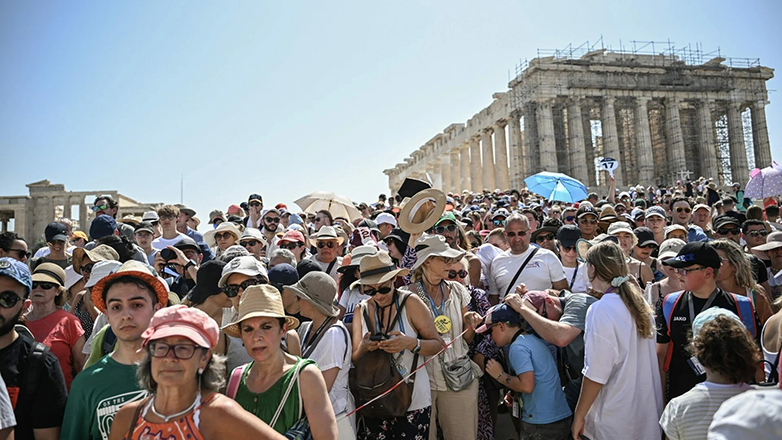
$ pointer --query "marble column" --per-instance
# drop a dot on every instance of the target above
(576, 146)
(464, 164)
(529, 154)
(760, 135)
(515, 140)
(708, 144)
(673, 129)
(487, 146)
(501, 156)
(547, 144)
(476, 172)
(643, 134)
(738, 150)
(434, 169)
(611, 138)
(456, 176)
(445, 173)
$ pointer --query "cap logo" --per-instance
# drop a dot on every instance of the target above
(235, 263)
(685, 257)
(587, 208)
(4, 264)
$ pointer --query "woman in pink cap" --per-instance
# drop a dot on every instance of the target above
(183, 377)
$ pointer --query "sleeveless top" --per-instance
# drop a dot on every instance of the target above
(264, 405)
(185, 427)
(770, 356)
(422, 396)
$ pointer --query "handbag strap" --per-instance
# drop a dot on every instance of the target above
(288, 393)
(133, 423)
(523, 265)
(234, 381)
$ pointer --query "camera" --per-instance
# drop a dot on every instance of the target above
(167, 254)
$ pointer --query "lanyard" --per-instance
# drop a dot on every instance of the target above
(575, 272)
(304, 344)
(705, 306)
(441, 310)
(378, 319)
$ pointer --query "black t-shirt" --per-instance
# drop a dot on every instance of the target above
(48, 404)
(681, 377)
(758, 268)
(737, 215)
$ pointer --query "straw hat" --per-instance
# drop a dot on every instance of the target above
(434, 246)
(49, 273)
(101, 252)
(422, 211)
(583, 245)
(773, 241)
(318, 289)
(130, 219)
(209, 236)
(607, 216)
(327, 233)
(133, 269)
(260, 301)
(377, 269)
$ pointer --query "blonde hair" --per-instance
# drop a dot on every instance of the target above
(609, 262)
(737, 258)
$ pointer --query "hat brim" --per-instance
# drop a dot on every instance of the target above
(446, 253)
(144, 230)
(648, 242)
(129, 221)
(189, 212)
(407, 225)
(582, 246)
(485, 328)
(542, 230)
(762, 250)
(153, 281)
(45, 278)
(209, 236)
(328, 311)
(177, 329)
(381, 278)
(314, 239)
(60, 237)
(232, 329)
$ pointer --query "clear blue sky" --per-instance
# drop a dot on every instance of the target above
(285, 98)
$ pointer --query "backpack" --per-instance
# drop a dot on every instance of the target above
(33, 364)
(375, 373)
(743, 308)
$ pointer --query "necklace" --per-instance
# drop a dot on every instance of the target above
(179, 414)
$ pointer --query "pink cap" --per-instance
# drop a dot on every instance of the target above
(536, 297)
(187, 322)
(234, 209)
(292, 236)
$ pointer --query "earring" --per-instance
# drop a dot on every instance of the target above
(200, 371)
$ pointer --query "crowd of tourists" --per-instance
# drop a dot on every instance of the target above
(629, 315)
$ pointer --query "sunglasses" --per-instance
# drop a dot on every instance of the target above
(272, 219)
(588, 221)
(87, 268)
(567, 249)
(255, 204)
(249, 243)
(23, 254)
(647, 246)
(43, 285)
(499, 222)
(329, 244)
(542, 238)
(511, 234)
(101, 207)
(682, 208)
(181, 351)
(382, 291)
(231, 290)
(452, 274)
(570, 218)
(8, 299)
(441, 229)
(291, 246)
(726, 231)
(761, 233)
(223, 236)
(684, 272)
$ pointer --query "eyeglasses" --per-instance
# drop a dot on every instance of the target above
(87, 268)
(441, 229)
(256, 204)
(497, 222)
(272, 219)
(647, 246)
(23, 254)
(542, 238)
(231, 290)
(684, 272)
(249, 243)
(166, 217)
(761, 233)
(181, 351)
(382, 291)
(726, 231)
(511, 234)
(101, 207)
(452, 274)
(43, 285)
(223, 236)
(587, 221)
(8, 299)
(291, 246)
(567, 249)
(329, 244)
(683, 208)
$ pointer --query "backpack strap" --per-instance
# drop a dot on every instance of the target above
(33, 365)
(746, 312)
(669, 304)
(234, 381)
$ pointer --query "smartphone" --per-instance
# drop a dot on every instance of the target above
(377, 337)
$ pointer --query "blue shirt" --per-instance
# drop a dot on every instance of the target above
(546, 403)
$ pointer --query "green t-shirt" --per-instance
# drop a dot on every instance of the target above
(97, 394)
(265, 404)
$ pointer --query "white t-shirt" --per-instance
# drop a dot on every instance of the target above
(7, 418)
(541, 271)
(337, 264)
(44, 251)
(333, 351)
(349, 300)
(630, 402)
(688, 416)
(161, 243)
(580, 284)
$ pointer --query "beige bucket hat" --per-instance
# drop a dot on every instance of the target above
(260, 301)
(377, 269)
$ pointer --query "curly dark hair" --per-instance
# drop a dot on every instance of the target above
(724, 346)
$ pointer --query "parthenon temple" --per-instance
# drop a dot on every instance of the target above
(664, 115)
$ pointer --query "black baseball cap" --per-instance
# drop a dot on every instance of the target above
(645, 236)
(208, 277)
(55, 231)
(698, 252)
(568, 235)
(586, 208)
(187, 243)
(724, 220)
(256, 198)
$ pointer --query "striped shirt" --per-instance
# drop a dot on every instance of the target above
(688, 416)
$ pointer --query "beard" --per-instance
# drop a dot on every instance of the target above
(271, 228)
(7, 325)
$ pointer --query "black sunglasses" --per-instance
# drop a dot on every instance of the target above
(726, 231)
(231, 290)
(224, 235)
(452, 274)
(570, 218)
(291, 246)
(382, 291)
(249, 243)
(761, 233)
(441, 229)
(512, 234)
(44, 285)
(272, 219)
(8, 299)
(329, 244)
(87, 268)
(254, 204)
(23, 254)
(542, 238)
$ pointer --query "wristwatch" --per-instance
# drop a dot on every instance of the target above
(190, 263)
(417, 348)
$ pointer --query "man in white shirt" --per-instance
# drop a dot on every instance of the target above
(270, 219)
(542, 271)
(328, 243)
(168, 215)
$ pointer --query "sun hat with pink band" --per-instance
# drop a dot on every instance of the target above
(183, 321)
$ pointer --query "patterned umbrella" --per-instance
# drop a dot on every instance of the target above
(764, 183)
(556, 186)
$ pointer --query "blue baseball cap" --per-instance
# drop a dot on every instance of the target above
(499, 313)
(283, 274)
(103, 226)
(18, 271)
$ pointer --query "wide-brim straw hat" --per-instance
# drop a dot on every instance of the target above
(49, 273)
(130, 219)
(209, 236)
(101, 252)
(422, 211)
(135, 269)
(327, 233)
(377, 269)
(260, 301)
(318, 289)
(434, 246)
(773, 241)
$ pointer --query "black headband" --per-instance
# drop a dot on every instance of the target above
(52, 274)
(377, 271)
